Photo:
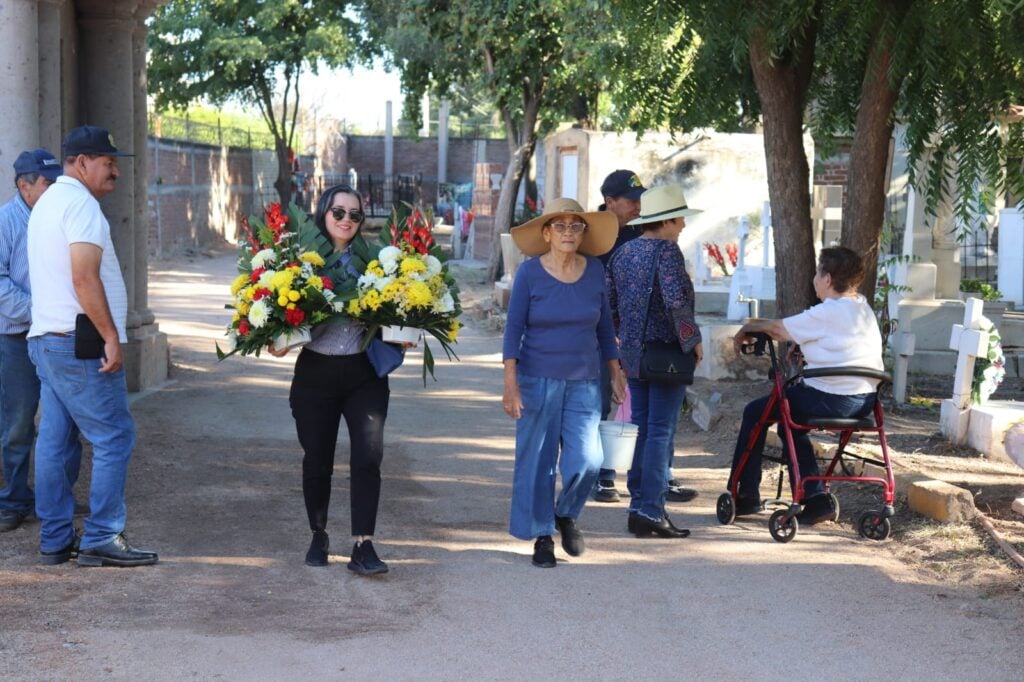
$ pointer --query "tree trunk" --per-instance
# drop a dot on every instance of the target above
(864, 205)
(283, 184)
(782, 89)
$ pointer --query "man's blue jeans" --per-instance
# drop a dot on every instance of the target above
(803, 401)
(555, 413)
(655, 412)
(77, 399)
(19, 399)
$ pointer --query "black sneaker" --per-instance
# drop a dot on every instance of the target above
(365, 560)
(317, 553)
(544, 552)
(572, 538)
(10, 519)
(677, 493)
(62, 555)
(817, 509)
(745, 506)
(605, 491)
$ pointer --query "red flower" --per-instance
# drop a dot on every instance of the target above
(243, 327)
(294, 317)
(262, 292)
(275, 219)
(328, 284)
(255, 276)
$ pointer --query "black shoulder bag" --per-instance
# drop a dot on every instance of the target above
(663, 362)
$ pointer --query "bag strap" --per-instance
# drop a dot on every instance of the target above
(650, 291)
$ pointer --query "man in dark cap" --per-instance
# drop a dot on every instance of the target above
(34, 172)
(79, 310)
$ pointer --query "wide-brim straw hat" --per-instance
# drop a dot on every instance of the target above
(598, 238)
(663, 203)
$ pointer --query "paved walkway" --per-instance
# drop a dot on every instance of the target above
(215, 487)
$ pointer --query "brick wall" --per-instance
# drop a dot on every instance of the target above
(835, 169)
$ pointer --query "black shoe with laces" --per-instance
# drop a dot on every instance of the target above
(62, 555)
(365, 561)
(117, 552)
(317, 553)
(10, 519)
(677, 493)
(745, 506)
(544, 552)
(572, 538)
(817, 509)
(605, 491)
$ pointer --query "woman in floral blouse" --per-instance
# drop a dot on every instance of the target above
(670, 316)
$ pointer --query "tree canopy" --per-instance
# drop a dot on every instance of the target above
(250, 51)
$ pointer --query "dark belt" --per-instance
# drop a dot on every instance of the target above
(63, 335)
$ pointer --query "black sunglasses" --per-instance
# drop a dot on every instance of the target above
(339, 214)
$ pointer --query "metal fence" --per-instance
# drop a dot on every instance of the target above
(979, 256)
(187, 130)
(381, 192)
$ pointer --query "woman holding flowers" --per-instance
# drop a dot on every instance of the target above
(558, 332)
(334, 379)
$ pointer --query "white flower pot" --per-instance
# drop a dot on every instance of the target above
(292, 339)
(401, 334)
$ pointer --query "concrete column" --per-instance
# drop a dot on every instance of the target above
(19, 83)
(141, 148)
(51, 70)
(442, 142)
(107, 80)
(389, 142)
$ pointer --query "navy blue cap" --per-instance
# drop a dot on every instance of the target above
(622, 183)
(38, 161)
(90, 140)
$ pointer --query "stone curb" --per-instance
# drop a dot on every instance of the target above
(938, 500)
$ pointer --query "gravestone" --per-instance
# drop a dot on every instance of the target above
(969, 342)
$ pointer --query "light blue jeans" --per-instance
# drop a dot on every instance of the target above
(19, 399)
(77, 399)
(557, 414)
(655, 412)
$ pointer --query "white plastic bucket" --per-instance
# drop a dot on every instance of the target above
(618, 440)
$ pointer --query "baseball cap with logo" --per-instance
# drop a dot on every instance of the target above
(90, 140)
(622, 183)
(38, 161)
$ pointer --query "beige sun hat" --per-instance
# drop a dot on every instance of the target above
(662, 203)
(598, 238)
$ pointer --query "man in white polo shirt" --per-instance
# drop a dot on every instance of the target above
(79, 308)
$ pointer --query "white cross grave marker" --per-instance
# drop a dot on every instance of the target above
(969, 342)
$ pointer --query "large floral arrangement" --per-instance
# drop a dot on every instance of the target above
(281, 290)
(989, 368)
(715, 255)
(404, 281)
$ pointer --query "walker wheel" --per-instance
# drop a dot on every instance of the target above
(725, 509)
(783, 530)
(835, 505)
(873, 526)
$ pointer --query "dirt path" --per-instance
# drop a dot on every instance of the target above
(214, 486)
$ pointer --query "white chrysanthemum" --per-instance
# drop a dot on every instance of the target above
(232, 340)
(266, 277)
(433, 265)
(258, 313)
(382, 282)
(307, 270)
(445, 304)
(328, 295)
(366, 280)
(339, 306)
(263, 257)
(389, 257)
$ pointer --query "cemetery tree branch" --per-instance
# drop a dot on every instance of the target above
(251, 52)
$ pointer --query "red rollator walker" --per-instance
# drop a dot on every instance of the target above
(783, 525)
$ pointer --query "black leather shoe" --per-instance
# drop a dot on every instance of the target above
(745, 506)
(677, 493)
(317, 553)
(365, 561)
(643, 527)
(544, 552)
(117, 552)
(572, 538)
(10, 519)
(817, 509)
(60, 556)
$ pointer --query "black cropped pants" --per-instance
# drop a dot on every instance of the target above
(326, 388)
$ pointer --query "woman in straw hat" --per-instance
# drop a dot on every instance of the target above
(642, 314)
(558, 331)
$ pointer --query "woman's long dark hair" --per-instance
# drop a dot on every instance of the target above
(327, 200)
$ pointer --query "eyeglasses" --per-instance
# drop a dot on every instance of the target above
(562, 228)
(338, 212)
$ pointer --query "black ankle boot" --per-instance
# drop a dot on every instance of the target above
(317, 554)
(643, 527)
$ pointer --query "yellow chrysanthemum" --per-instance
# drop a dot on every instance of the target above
(392, 291)
(239, 282)
(417, 295)
(290, 306)
(353, 307)
(243, 308)
(294, 295)
(295, 270)
(312, 257)
(453, 331)
(411, 265)
(315, 282)
(248, 292)
(371, 300)
(282, 300)
(282, 280)
(237, 316)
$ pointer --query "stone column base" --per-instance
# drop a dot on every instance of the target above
(146, 357)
